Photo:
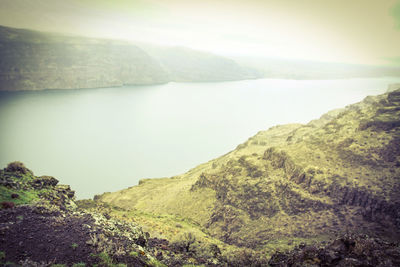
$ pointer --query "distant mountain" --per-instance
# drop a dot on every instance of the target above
(302, 69)
(290, 184)
(32, 60)
(187, 65)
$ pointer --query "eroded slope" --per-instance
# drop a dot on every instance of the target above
(293, 182)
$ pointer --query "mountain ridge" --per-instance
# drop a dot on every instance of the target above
(33, 60)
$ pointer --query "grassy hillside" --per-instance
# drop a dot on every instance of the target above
(41, 224)
(290, 184)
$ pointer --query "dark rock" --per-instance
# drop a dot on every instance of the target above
(7, 205)
(49, 180)
(19, 167)
(14, 196)
(345, 251)
(44, 181)
(65, 190)
(47, 237)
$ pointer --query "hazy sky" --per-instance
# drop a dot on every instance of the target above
(354, 31)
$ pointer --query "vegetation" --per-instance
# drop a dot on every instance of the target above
(286, 186)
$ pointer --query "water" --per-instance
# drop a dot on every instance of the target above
(101, 140)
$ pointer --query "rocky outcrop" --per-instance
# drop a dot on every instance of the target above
(41, 234)
(17, 167)
(19, 180)
(40, 225)
(349, 250)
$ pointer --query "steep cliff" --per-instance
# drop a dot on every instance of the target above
(33, 61)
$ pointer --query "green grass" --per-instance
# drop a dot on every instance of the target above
(155, 263)
(134, 254)
(106, 260)
(25, 197)
(286, 244)
(280, 187)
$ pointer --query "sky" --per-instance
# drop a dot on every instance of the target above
(347, 31)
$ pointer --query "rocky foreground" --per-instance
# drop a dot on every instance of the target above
(41, 225)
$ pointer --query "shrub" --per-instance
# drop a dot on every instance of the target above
(185, 242)
(17, 166)
(247, 257)
(155, 263)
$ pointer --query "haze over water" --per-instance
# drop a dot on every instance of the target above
(100, 140)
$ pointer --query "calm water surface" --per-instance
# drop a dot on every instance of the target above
(107, 139)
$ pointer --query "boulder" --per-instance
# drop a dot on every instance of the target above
(44, 181)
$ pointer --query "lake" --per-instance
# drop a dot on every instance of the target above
(99, 140)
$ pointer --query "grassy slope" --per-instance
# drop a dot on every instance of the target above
(291, 183)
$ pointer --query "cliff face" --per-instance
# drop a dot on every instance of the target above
(310, 182)
(35, 61)
(32, 60)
